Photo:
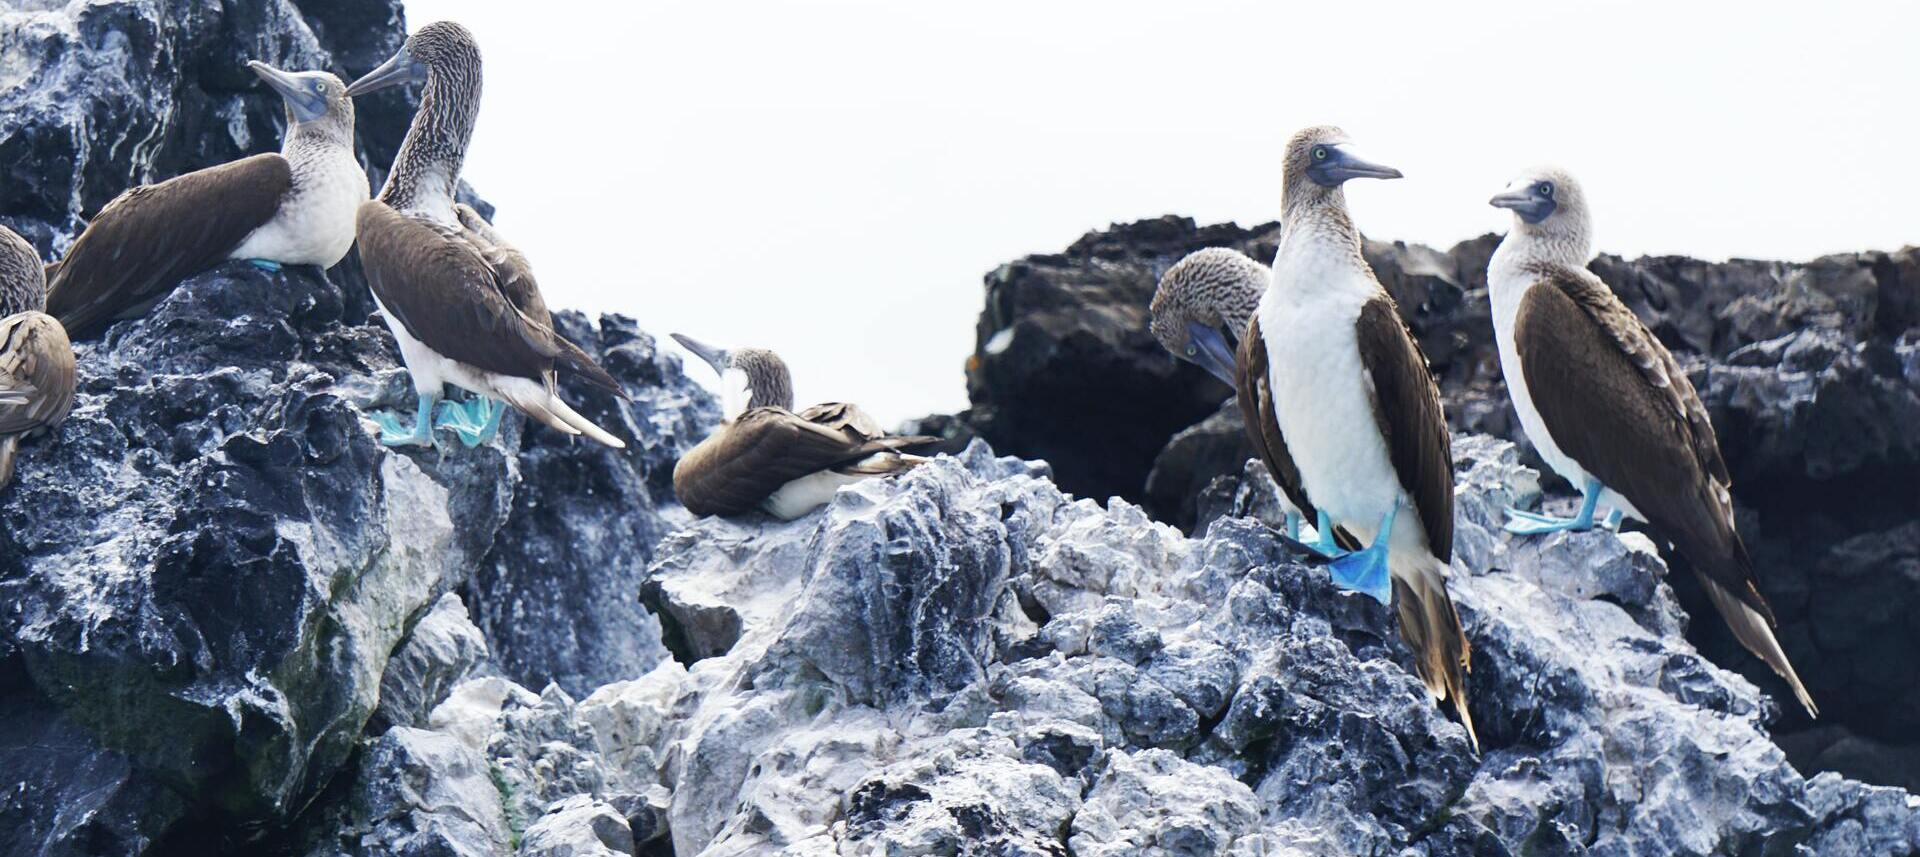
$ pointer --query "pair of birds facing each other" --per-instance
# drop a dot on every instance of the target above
(461, 301)
(1608, 407)
(767, 456)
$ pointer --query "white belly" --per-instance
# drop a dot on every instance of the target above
(432, 372)
(1324, 406)
(1506, 286)
(315, 223)
(806, 494)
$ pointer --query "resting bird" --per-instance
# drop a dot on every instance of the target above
(1339, 402)
(1199, 312)
(36, 360)
(765, 456)
(295, 208)
(460, 300)
(1609, 408)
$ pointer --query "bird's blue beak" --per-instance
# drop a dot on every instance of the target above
(715, 357)
(398, 69)
(303, 98)
(1523, 202)
(1341, 164)
(1208, 347)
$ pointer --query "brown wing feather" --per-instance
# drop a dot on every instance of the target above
(441, 289)
(148, 239)
(514, 276)
(751, 457)
(35, 359)
(1616, 401)
(1254, 391)
(1406, 405)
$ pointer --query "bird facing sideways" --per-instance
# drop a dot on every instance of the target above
(765, 456)
(1338, 401)
(1611, 410)
(294, 207)
(36, 360)
(460, 300)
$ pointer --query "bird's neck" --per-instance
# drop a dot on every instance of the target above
(1315, 223)
(308, 140)
(1535, 246)
(426, 172)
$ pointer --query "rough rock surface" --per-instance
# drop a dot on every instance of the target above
(1810, 371)
(967, 661)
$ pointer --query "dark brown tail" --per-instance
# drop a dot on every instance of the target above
(578, 362)
(1431, 627)
(1754, 629)
(8, 446)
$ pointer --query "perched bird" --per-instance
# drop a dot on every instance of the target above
(460, 300)
(1199, 313)
(765, 456)
(36, 360)
(1609, 408)
(1339, 402)
(293, 208)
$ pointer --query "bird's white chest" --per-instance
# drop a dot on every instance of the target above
(1507, 284)
(1323, 395)
(315, 222)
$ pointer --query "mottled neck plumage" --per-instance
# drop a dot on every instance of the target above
(23, 284)
(1318, 215)
(427, 170)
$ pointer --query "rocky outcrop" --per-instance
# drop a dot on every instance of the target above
(1809, 371)
(966, 660)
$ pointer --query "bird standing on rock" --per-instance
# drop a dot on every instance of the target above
(295, 207)
(36, 360)
(1339, 402)
(766, 456)
(460, 300)
(1610, 409)
(1200, 312)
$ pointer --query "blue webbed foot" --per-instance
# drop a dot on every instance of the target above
(1366, 571)
(1524, 523)
(1323, 543)
(1293, 526)
(395, 433)
(267, 265)
(475, 421)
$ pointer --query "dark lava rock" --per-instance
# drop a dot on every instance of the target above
(1811, 371)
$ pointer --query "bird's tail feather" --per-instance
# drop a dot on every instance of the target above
(536, 401)
(883, 463)
(1431, 627)
(1753, 630)
(578, 362)
(8, 446)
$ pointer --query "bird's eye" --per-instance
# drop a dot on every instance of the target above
(319, 87)
(1544, 189)
(1319, 153)
(1192, 351)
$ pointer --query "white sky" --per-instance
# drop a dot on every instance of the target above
(832, 179)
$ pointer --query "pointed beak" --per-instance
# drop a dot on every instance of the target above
(715, 357)
(1342, 164)
(1208, 347)
(307, 105)
(398, 69)
(1524, 203)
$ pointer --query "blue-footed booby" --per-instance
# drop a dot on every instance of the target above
(1610, 409)
(460, 300)
(1200, 312)
(36, 360)
(1346, 415)
(295, 207)
(765, 456)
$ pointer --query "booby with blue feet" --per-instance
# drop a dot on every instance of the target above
(1610, 409)
(37, 375)
(460, 300)
(294, 207)
(767, 456)
(1199, 313)
(1345, 412)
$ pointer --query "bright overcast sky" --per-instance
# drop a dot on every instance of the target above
(832, 179)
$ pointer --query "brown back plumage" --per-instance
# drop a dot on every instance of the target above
(750, 457)
(148, 239)
(36, 378)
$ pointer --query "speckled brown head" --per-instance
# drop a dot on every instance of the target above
(317, 104)
(1550, 215)
(1203, 304)
(444, 56)
(749, 377)
(1318, 162)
